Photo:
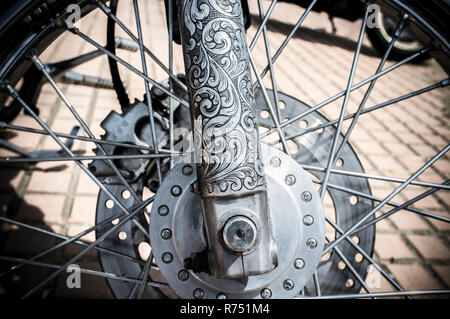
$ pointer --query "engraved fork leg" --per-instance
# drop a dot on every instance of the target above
(230, 173)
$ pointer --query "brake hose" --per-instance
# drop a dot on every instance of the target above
(111, 46)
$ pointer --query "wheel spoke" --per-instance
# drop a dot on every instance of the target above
(388, 198)
(406, 204)
(147, 89)
(119, 205)
(108, 12)
(62, 244)
(382, 294)
(269, 59)
(365, 255)
(350, 266)
(429, 88)
(85, 271)
(269, 104)
(354, 87)
(288, 37)
(4, 125)
(397, 33)
(78, 242)
(331, 158)
(145, 275)
(15, 160)
(87, 249)
(40, 66)
(171, 106)
(377, 177)
(317, 283)
(262, 25)
(128, 66)
(389, 203)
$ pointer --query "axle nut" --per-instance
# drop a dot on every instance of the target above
(239, 233)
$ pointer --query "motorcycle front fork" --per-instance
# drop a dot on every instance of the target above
(231, 180)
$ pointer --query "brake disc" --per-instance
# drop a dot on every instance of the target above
(313, 150)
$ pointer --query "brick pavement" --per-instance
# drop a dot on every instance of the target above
(393, 141)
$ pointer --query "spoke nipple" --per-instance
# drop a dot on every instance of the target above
(311, 243)
(290, 179)
(308, 220)
(266, 293)
(163, 210)
(306, 196)
(166, 233)
(199, 293)
(167, 258)
(288, 284)
(299, 263)
(221, 296)
(175, 190)
(183, 275)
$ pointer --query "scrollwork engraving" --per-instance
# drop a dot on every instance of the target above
(221, 95)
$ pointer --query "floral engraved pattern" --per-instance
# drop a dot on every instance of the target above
(221, 94)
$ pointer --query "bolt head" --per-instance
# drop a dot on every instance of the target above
(175, 190)
(308, 220)
(163, 210)
(221, 296)
(183, 275)
(299, 263)
(288, 284)
(275, 161)
(166, 233)
(311, 243)
(167, 257)
(290, 179)
(266, 293)
(239, 233)
(198, 293)
(306, 196)
(187, 170)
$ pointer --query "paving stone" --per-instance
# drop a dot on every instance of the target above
(413, 277)
(391, 247)
(430, 247)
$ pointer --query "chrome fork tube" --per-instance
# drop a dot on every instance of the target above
(231, 180)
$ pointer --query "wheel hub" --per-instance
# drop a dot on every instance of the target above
(297, 220)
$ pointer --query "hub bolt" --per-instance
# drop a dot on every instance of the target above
(167, 258)
(308, 220)
(306, 196)
(311, 243)
(183, 275)
(175, 190)
(275, 161)
(290, 180)
(266, 293)
(166, 233)
(288, 284)
(163, 210)
(221, 296)
(199, 293)
(299, 263)
(187, 170)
